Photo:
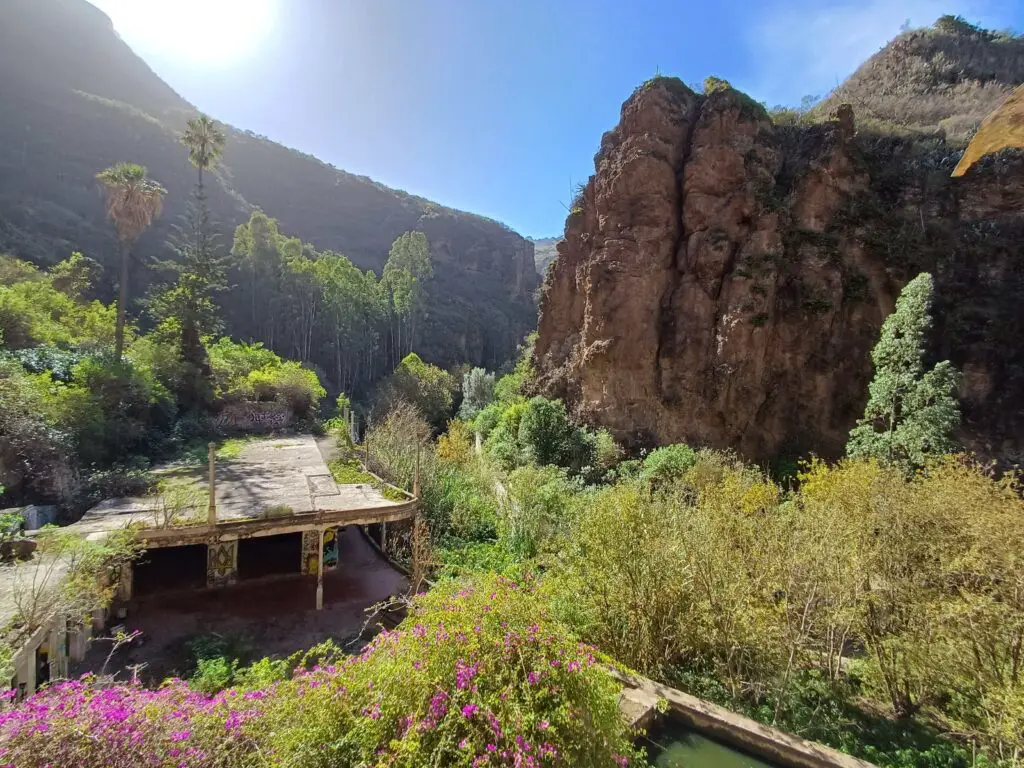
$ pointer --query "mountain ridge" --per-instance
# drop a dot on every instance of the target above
(73, 109)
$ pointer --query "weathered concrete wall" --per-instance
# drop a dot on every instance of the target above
(254, 417)
(639, 705)
(222, 563)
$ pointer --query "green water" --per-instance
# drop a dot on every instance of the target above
(671, 744)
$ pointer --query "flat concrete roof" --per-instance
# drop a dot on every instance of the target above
(279, 479)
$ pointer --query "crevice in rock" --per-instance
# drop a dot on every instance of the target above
(666, 319)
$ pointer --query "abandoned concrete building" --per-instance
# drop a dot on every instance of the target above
(275, 510)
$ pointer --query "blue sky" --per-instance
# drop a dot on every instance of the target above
(495, 106)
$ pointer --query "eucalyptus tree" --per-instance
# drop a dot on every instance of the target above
(133, 201)
(407, 269)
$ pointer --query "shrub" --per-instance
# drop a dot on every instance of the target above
(536, 512)
(35, 452)
(668, 464)
(426, 387)
(514, 386)
(232, 362)
(250, 372)
(489, 417)
(288, 383)
(477, 392)
(459, 503)
(112, 409)
(393, 441)
(623, 585)
(607, 452)
(477, 672)
(456, 445)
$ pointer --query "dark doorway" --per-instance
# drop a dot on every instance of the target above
(169, 568)
(269, 555)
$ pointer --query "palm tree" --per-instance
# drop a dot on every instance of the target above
(133, 201)
(205, 141)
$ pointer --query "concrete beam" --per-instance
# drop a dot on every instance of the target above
(153, 538)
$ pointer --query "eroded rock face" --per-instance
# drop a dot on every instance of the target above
(722, 280)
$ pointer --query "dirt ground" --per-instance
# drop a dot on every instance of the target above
(270, 617)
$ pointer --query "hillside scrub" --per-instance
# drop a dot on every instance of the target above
(477, 674)
(71, 411)
(249, 372)
(425, 387)
(860, 589)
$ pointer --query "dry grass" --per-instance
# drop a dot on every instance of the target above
(945, 78)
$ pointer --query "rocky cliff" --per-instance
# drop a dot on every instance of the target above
(723, 279)
(75, 99)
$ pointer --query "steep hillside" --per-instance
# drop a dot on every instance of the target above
(945, 78)
(76, 99)
(723, 279)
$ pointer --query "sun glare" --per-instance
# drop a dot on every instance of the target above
(200, 32)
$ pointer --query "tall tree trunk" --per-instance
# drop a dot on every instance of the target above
(122, 301)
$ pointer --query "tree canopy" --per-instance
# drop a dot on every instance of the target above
(911, 412)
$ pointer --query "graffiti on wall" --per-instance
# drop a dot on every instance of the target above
(330, 549)
(311, 548)
(221, 563)
(254, 417)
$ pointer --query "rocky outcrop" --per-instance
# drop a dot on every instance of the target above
(722, 280)
(75, 99)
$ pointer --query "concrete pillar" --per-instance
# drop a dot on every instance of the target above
(222, 563)
(384, 538)
(79, 642)
(320, 574)
(126, 584)
(310, 547)
(56, 645)
(26, 674)
(212, 509)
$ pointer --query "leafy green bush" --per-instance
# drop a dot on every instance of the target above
(232, 362)
(33, 312)
(251, 372)
(545, 432)
(488, 418)
(459, 503)
(477, 392)
(503, 440)
(477, 674)
(514, 386)
(607, 452)
(35, 451)
(214, 674)
(538, 509)
(426, 387)
(668, 464)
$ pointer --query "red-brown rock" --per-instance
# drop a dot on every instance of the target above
(722, 280)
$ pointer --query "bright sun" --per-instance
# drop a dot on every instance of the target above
(202, 32)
